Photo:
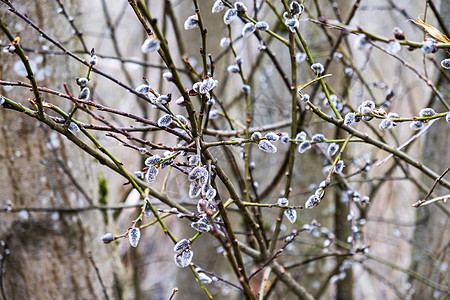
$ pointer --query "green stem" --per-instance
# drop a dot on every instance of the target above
(19, 51)
(383, 146)
(292, 147)
(338, 157)
(375, 37)
(208, 294)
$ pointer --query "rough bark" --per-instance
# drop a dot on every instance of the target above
(49, 251)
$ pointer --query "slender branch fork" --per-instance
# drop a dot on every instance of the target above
(198, 137)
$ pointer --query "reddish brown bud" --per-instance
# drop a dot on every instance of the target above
(399, 34)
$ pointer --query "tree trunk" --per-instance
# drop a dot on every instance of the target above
(51, 254)
(432, 236)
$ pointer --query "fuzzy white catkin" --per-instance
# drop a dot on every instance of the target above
(194, 160)
(267, 146)
(296, 8)
(301, 136)
(150, 45)
(205, 279)
(134, 235)
(261, 25)
(197, 173)
(393, 47)
(348, 72)
(416, 125)
(184, 258)
(229, 16)
(366, 107)
(200, 226)
(429, 46)
(393, 115)
(181, 245)
(213, 114)
(205, 86)
(85, 93)
(167, 76)
(300, 57)
(240, 7)
(319, 192)
(248, 29)
(446, 63)
(318, 68)
(163, 99)
(291, 215)
(255, 136)
(292, 24)
(339, 167)
(82, 81)
(246, 89)
(73, 128)
(312, 201)
(224, 42)
(191, 22)
(211, 193)
(108, 238)
(94, 60)
(233, 68)
(349, 119)
(386, 124)
(333, 149)
(305, 145)
(205, 188)
(181, 101)
(284, 138)
(142, 89)
(283, 202)
(318, 138)
(427, 112)
(338, 56)
(365, 200)
(153, 160)
(218, 6)
(365, 110)
(151, 174)
(165, 120)
(196, 86)
(271, 136)
(305, 98)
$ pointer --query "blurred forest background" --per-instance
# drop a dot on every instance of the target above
(51, 247)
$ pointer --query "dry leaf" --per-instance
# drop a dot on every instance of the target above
(433, 31)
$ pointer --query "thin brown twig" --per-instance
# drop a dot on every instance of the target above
(174, 291)
(421, 76)
(97, 272)
(436, 182)
(71, 20)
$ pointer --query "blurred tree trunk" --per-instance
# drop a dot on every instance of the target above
(432, 235)
(344, 287)
(49, 252)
